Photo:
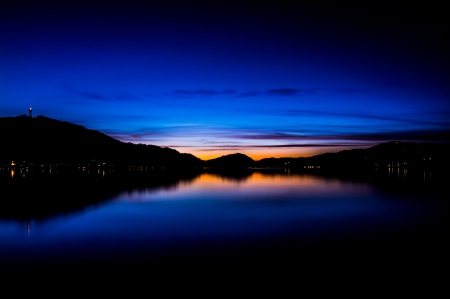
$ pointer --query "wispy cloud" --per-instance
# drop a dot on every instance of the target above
(274, 136)
(295, 92)
(137, 135)
(250, 94)
(300, 112)
(405, 135)
(231, 138)
(124, 97)
(413, 135)
(284, 91)
(202, 92)
(312, 145)
(288, 92)
(291, 145)
(92, 96)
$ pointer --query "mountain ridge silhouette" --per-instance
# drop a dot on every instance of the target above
(45, 141)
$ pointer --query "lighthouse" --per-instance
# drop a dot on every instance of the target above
(30, 112)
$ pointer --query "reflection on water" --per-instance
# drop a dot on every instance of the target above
(153, 214)
(254, 186)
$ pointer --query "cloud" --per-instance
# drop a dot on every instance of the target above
(412, 135)
(341, 90)
(247, 146)
(126, 98)
(311, 145)
(287, 92)
(202, 92)
(274, 136)
(135, 135)
(300, 112)
(294, 92)
(93, 96)
(101, 97)
(284, 91)
(250, 94)
(405, 135)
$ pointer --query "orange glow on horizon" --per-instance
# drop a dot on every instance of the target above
(259, 154)
(256, 180)
(250, 186)
(266, 183)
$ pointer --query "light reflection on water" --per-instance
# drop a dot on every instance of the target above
(257, 186)
(214, 209)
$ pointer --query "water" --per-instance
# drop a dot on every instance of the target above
(207, 216)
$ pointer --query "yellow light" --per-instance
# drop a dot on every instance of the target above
(12, 163)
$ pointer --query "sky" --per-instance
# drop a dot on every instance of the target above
(210, 78)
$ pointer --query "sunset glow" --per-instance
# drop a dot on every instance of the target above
(270, 186)
(218, 77)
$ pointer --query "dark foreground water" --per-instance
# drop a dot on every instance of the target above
(256, 219)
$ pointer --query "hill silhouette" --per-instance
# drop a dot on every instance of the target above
(237, 160)
(46, 141)
(394, 154)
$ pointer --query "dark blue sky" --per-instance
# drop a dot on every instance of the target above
(218, 77)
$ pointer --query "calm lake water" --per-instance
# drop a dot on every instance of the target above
(255, 214)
